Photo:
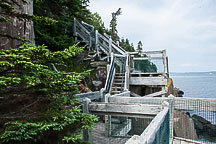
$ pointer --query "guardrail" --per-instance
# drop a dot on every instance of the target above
(91, 95)
(102, 42)
(114, 109)
(110, 75)
(157, 131)
(203, 107)
(80, 30)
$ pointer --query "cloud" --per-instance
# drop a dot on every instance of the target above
(186, 28)
(189, 65)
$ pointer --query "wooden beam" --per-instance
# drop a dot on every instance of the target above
(148, 136)
(91, 95)
(150, 132)
(156, 94)
(123, 94)
(147, 52)
(137, 100)
(182, 103)
(148, 81)
(130, 110)
(147, 58)
(178, 140)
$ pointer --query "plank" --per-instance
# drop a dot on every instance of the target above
(123, 94)
(91, 95)
(148, 81)
(147, 58)
(148, 52)
(150, 132)
(176, 140)
(205, 104)
(124, 109)
(156, 94)
(138, 100)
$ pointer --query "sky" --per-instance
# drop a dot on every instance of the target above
(185, 28)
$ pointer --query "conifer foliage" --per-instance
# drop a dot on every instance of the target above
(38, 104)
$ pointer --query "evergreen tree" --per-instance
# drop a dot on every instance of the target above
(59, 35)
(96, 21)
(38, 97)
(125, 44)
(139, 47)
(113, 25)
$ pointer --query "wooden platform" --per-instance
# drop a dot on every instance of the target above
(98, 136)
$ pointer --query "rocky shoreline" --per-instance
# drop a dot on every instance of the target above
(193, 127)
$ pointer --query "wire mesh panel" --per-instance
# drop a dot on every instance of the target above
(162, 135)
(149, 63)
(119, 130)
(144, 66)
(195, 119)
(128, 126)
(99, 133)
(120, 62)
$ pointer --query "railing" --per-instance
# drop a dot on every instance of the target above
(110, 75)
(102, 42)
(91, 95)
(83, 32)
(134, 111)
(157, 131)
(156, 58)
(202, 121)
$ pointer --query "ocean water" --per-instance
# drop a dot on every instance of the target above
(196, 85)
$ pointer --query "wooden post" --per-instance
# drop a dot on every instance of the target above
(163, 89)
(90, 42)
(96, 40)
(74, 29)
(164, 61)
(86, 133)
(102, 95)
(117, 43)
(107, 119)
(127, 73)
(171, 120)
(110, 45)
(167, 65)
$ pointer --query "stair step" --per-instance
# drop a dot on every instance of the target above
(115, 83)
(119, 76)
(117, 88)
(117, 80)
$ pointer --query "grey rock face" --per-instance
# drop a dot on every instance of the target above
(17, 28)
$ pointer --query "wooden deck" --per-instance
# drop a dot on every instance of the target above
(98, 136)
